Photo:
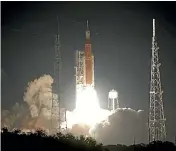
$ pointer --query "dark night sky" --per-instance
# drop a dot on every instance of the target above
(121, 41)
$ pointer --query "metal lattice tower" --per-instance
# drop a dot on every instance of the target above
(157, 129)
(56, 108)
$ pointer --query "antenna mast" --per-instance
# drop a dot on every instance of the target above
(157, 129)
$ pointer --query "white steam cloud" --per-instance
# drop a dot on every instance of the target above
(39, 92)
(123, 127)
(38, 98)
(13, 118)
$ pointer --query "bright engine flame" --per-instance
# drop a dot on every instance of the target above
(87, 109)
(87, 99)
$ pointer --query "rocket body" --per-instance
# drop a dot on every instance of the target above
(84, 72)
(85, 66)
(89, 61)
(88, 65)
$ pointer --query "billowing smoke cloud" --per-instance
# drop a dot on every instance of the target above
(13, 118)
(80, 129)
(36, 112)
(39, 98)
(123, 126)
(39, 92)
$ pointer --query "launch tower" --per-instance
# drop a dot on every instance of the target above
(157, 129)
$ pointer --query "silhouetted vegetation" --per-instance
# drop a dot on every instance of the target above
(19, 141)
(154, 146)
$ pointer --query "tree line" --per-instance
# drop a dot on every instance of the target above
(20, 141)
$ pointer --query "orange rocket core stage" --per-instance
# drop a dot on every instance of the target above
(88, 59)
(88, 64)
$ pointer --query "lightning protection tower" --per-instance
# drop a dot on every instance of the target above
(157, 129)
(56, 110)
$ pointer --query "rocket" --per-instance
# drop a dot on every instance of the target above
(89, 61)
